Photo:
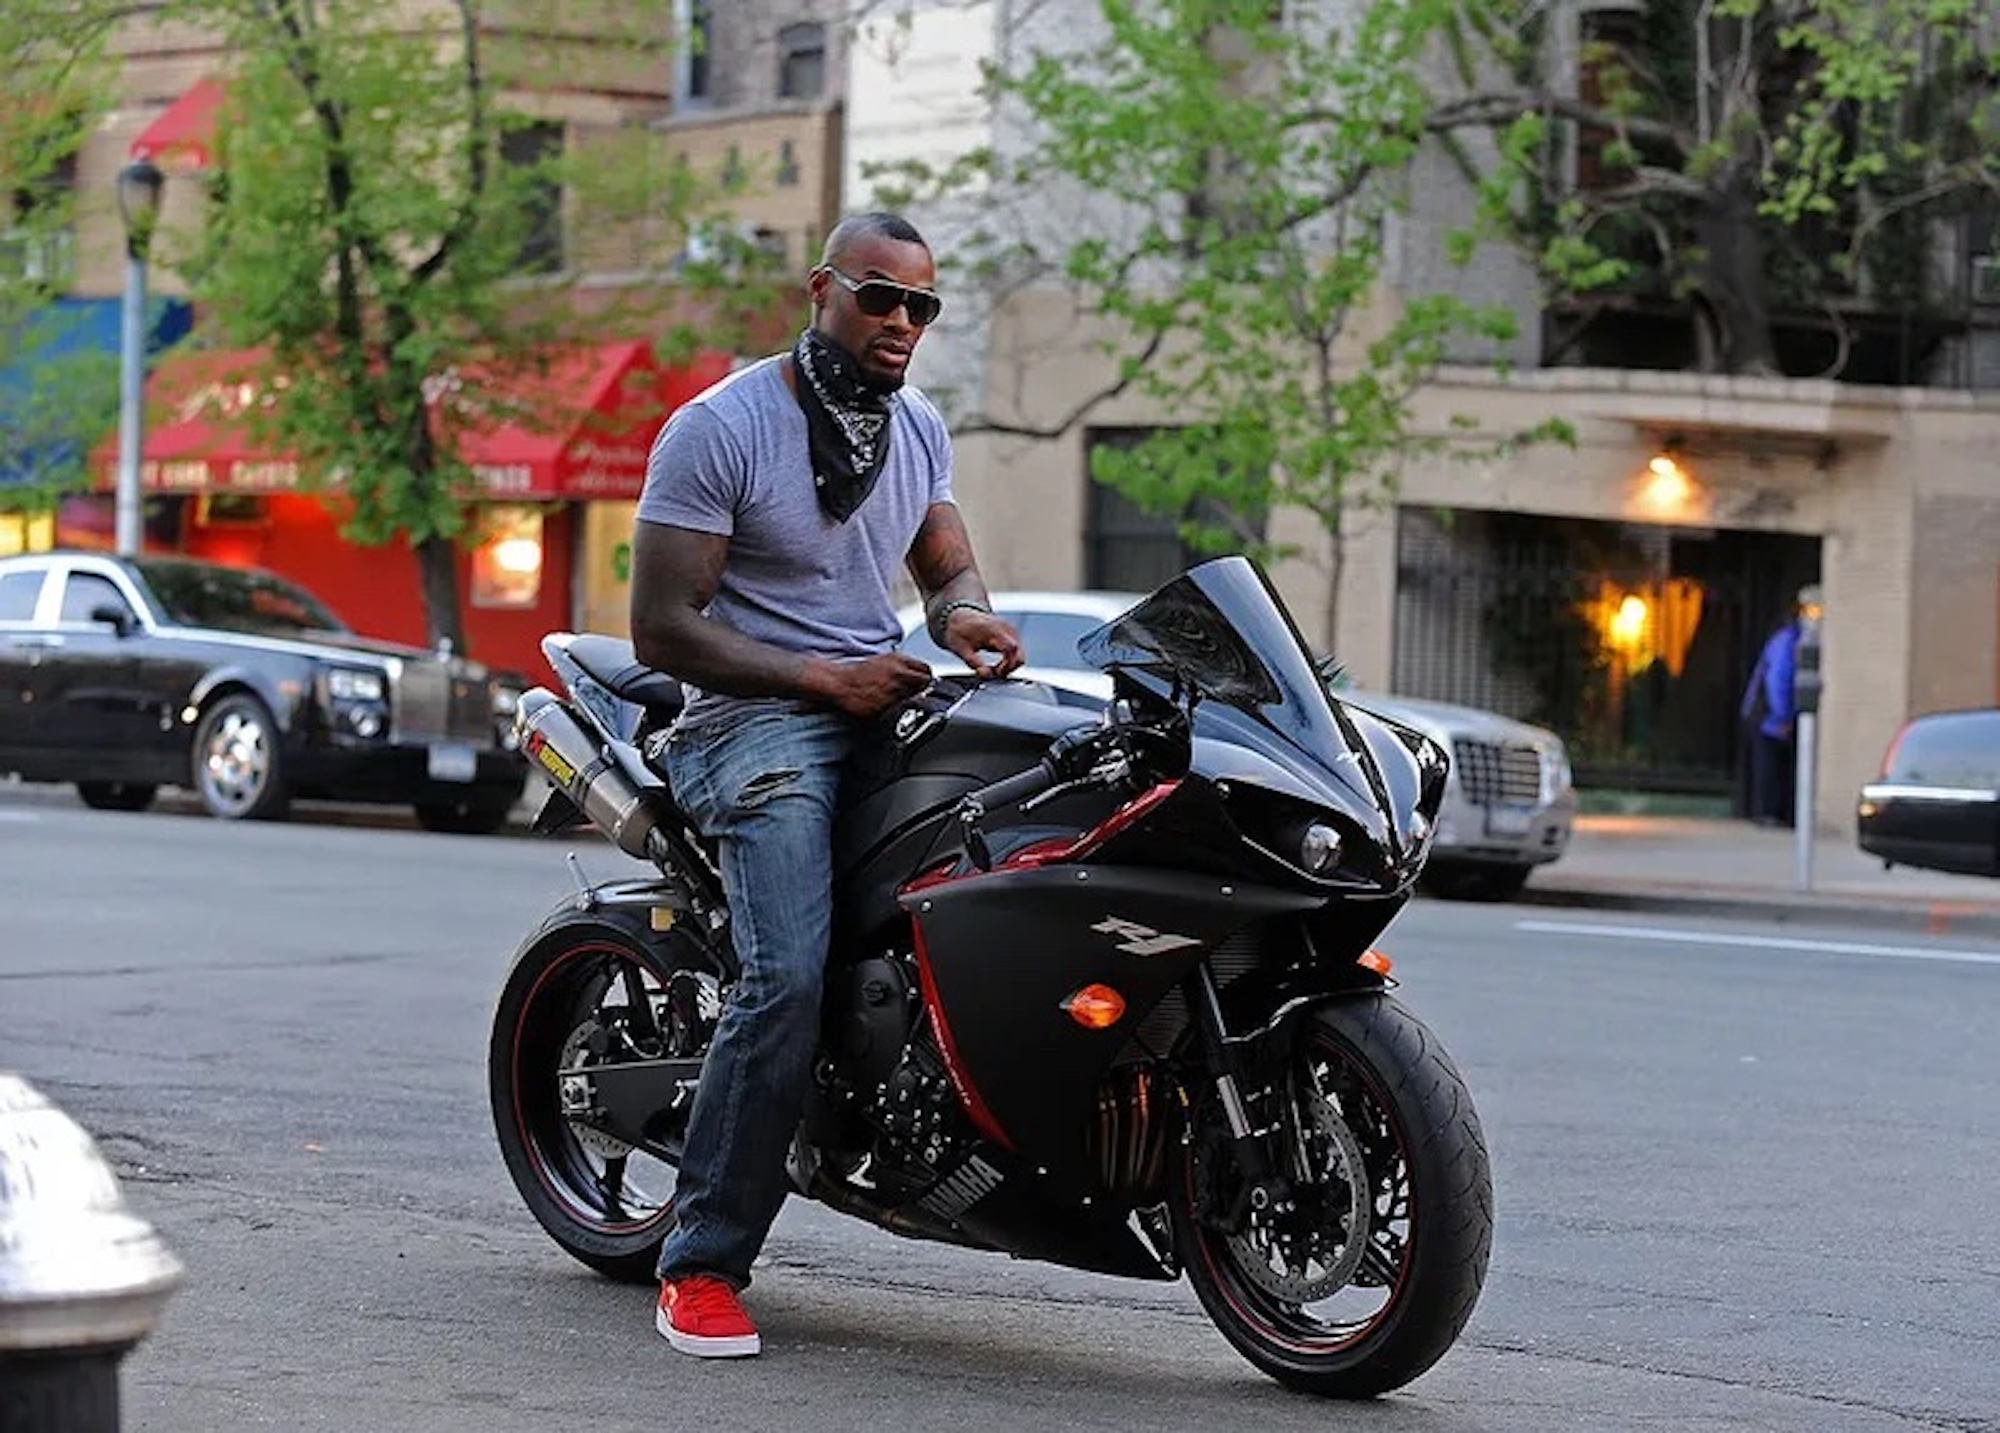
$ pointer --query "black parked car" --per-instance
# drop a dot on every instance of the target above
(1937, 802)
(124, 675)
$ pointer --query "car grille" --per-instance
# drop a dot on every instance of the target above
(1492, 774)
(431, 706)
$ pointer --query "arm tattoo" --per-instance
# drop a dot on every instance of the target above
(941, 561)
(676, 573)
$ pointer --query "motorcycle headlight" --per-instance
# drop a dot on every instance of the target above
(353, 684)
(1319, 848)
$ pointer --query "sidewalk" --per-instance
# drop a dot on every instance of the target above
(1695, 866)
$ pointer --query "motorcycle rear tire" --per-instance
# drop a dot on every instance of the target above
(1409, 1077)
(540, 1154)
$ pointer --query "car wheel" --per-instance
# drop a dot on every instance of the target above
(239, 767)
(1475, 883)
(463, 818)
(116, 795)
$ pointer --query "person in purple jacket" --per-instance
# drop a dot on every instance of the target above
(1770, 709)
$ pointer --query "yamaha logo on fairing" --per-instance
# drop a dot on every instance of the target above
(1143, 939)
(965, 1187)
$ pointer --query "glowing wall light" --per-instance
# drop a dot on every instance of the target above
(1668, 488)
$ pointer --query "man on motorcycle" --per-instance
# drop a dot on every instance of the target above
(777, 506)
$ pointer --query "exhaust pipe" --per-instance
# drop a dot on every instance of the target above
(607, 782)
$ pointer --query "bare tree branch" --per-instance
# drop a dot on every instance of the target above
(1495, 110)
(1971, 174)
(1133, 367)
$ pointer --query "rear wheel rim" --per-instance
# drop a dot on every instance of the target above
(601, 1185)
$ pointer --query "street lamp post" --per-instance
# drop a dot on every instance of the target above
(139, 186)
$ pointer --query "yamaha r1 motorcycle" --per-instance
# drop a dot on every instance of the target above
(1103, 989)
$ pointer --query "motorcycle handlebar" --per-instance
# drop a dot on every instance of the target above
(1016, 788)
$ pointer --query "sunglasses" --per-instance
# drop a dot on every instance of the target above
(878, 298)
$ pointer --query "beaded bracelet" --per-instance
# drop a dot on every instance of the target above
(941, 618)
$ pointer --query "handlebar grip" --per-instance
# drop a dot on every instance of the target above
(1016, 788)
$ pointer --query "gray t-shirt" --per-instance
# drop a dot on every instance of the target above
(734, 460)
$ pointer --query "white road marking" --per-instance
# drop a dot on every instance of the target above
(1761, 942)
(21, 816)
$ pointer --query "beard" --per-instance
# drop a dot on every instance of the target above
(879, 380)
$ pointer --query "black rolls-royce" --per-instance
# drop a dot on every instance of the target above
(124, 675)
(1936, 804)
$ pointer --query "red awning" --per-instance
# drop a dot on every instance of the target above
(182, 139)
(587, 422)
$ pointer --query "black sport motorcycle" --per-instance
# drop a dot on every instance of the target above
(1103, 989)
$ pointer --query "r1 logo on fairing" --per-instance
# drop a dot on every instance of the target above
(1143, 939)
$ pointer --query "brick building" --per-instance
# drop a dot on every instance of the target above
(754, 97)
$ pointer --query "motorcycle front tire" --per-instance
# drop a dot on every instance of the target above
(1441, 1188)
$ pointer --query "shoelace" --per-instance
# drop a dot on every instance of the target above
(704, 1298)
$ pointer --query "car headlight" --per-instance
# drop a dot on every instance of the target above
(353, 684)
(1556, 774)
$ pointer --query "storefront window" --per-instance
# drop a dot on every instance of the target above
(507, 563)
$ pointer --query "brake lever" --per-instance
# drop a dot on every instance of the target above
(1113, 769)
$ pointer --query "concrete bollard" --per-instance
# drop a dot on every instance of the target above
(82, 1278)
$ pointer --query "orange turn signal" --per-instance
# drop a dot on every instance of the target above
(1376, 961)
(1095, 1007)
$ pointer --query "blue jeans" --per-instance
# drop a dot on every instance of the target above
(763, 783)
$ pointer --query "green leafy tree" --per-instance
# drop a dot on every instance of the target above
(397, 230)
(1757, 157)
(1245, 168)
(55, 395)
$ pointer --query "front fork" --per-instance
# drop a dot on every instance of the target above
(1261, 1150)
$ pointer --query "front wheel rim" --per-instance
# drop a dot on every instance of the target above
(1351, 1314)
(236, 761)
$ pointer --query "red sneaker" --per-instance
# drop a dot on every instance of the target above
(700, 1315)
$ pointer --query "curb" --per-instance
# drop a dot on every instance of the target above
(1908, 915)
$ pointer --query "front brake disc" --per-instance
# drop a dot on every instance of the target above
(1311, 1250)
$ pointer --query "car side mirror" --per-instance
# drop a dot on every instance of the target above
(113, 616)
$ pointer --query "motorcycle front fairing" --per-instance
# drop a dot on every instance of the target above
(1003, 953)
(1219, 638)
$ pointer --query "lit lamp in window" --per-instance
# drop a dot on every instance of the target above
(1628, 623)
(507, 564)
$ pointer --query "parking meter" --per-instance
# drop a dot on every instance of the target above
(1807, 683)
(1807, 687)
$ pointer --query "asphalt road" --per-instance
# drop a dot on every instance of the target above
(1746, 1179)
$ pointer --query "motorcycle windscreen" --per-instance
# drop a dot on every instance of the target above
(1221, 631)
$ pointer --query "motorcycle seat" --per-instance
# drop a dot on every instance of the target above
(610, 661)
